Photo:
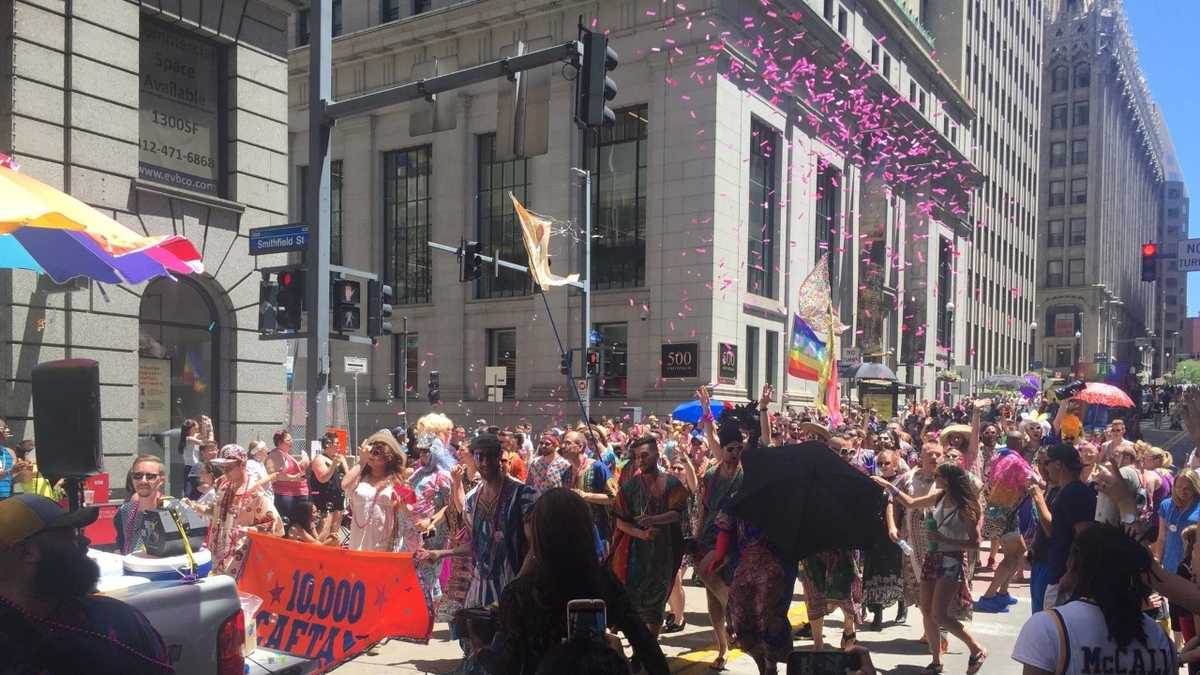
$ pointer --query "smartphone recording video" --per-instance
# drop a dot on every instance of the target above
(825, 662)
(587, 618)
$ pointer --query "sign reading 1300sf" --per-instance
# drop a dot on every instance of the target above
(179, 109)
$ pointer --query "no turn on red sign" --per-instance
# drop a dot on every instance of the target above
(1189, 255)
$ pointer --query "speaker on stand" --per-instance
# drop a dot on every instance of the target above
(66, 421)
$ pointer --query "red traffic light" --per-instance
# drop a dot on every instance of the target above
(1149, 249)
(285, 279)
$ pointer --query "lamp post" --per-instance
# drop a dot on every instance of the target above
(950, 346)
(1032, 343)
(1078, 352)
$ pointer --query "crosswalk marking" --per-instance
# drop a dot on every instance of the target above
(697, 662)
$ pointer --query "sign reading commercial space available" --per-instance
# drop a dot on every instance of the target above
(179, 109)
(278, 239)
(1189, 255)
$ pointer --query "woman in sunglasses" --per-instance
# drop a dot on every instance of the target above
(380, 503)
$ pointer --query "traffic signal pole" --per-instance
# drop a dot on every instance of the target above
(320, 128)
(323, 112)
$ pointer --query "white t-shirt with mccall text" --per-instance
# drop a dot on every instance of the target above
(1091, 650)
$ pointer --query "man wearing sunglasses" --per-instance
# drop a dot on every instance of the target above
(50, 619)
(145, 485)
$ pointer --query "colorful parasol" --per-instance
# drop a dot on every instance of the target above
(1098, 393)
(48, 231)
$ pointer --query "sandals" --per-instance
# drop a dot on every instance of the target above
(932, 669)
(849, 639)
(717, 664)
(672, 627)
(976, 662)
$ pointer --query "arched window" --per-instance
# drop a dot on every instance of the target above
(1083, 75)
(179, 335)
(1058, 78)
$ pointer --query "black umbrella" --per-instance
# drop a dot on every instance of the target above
(806, 499)
(874, 371)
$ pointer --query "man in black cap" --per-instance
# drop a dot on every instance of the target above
(1074, 509)
(50, 619)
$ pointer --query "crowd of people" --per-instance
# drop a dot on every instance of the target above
(508, 526)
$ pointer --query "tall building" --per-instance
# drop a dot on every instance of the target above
(1103, 175)
(1171, 289)
(1001, 46)
(173, 120)
(737, 160)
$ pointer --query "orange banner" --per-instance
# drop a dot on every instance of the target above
(329, 604)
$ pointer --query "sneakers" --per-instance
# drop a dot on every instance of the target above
(1008, 599)
(993, 605)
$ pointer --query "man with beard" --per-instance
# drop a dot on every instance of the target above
(50, 620)
(648, 541)
(145, 482)
(494, 512)
(549, 469)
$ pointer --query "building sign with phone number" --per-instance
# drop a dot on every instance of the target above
(179, 109)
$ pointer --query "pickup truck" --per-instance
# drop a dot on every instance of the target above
(202, 625)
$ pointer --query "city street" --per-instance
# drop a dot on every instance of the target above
(894, 650)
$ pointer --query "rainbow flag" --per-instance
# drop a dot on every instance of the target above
(807, 356)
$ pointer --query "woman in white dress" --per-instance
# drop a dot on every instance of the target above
(380, 503)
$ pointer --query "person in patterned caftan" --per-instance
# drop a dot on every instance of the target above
(760, 590)
(648, 540)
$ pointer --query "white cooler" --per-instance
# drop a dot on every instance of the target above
(141, 564)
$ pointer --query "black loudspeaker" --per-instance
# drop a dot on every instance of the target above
(66, 417)
(163, 538)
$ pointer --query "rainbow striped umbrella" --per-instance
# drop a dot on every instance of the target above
(48, 231)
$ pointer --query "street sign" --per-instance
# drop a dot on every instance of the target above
(1189, 255)
(1101, 357)
(278, 238)
(581, 385)
(355, 364)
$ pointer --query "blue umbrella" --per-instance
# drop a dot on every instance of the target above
(691, 411)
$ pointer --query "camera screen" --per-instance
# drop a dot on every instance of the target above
(819, 663)
(586, 617)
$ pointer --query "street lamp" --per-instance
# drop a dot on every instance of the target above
(1078, 351)
(1032, 343)
(949, 342)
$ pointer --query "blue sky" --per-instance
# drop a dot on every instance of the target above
(1165, 32)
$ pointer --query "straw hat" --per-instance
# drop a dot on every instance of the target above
(954, 430)
(814, 429)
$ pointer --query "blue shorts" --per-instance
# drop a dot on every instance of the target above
(1039, 579)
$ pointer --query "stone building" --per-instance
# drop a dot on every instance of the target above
(1103, 177)
(1171, 289)
(717, 191)
(171, 118)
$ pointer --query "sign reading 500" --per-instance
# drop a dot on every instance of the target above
(179, 108)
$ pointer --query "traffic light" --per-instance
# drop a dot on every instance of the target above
(347, 298)
(379, 309)
(268, 300)
(564, 364)
(1149, 261)
(470, 261)
(434, 392)
(289, 299)
(593, 87)
(593, 363)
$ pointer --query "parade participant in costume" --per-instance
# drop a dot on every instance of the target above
(760, 590)
(380, 504)
(883, 579)
(589, 478)
(549, 469)
(715, 485)
(1006, 489)
(918, 482)
(833, 579)
(953, 528)
(237, 509)
(431, 484)
(648, 541)
(494, 512)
